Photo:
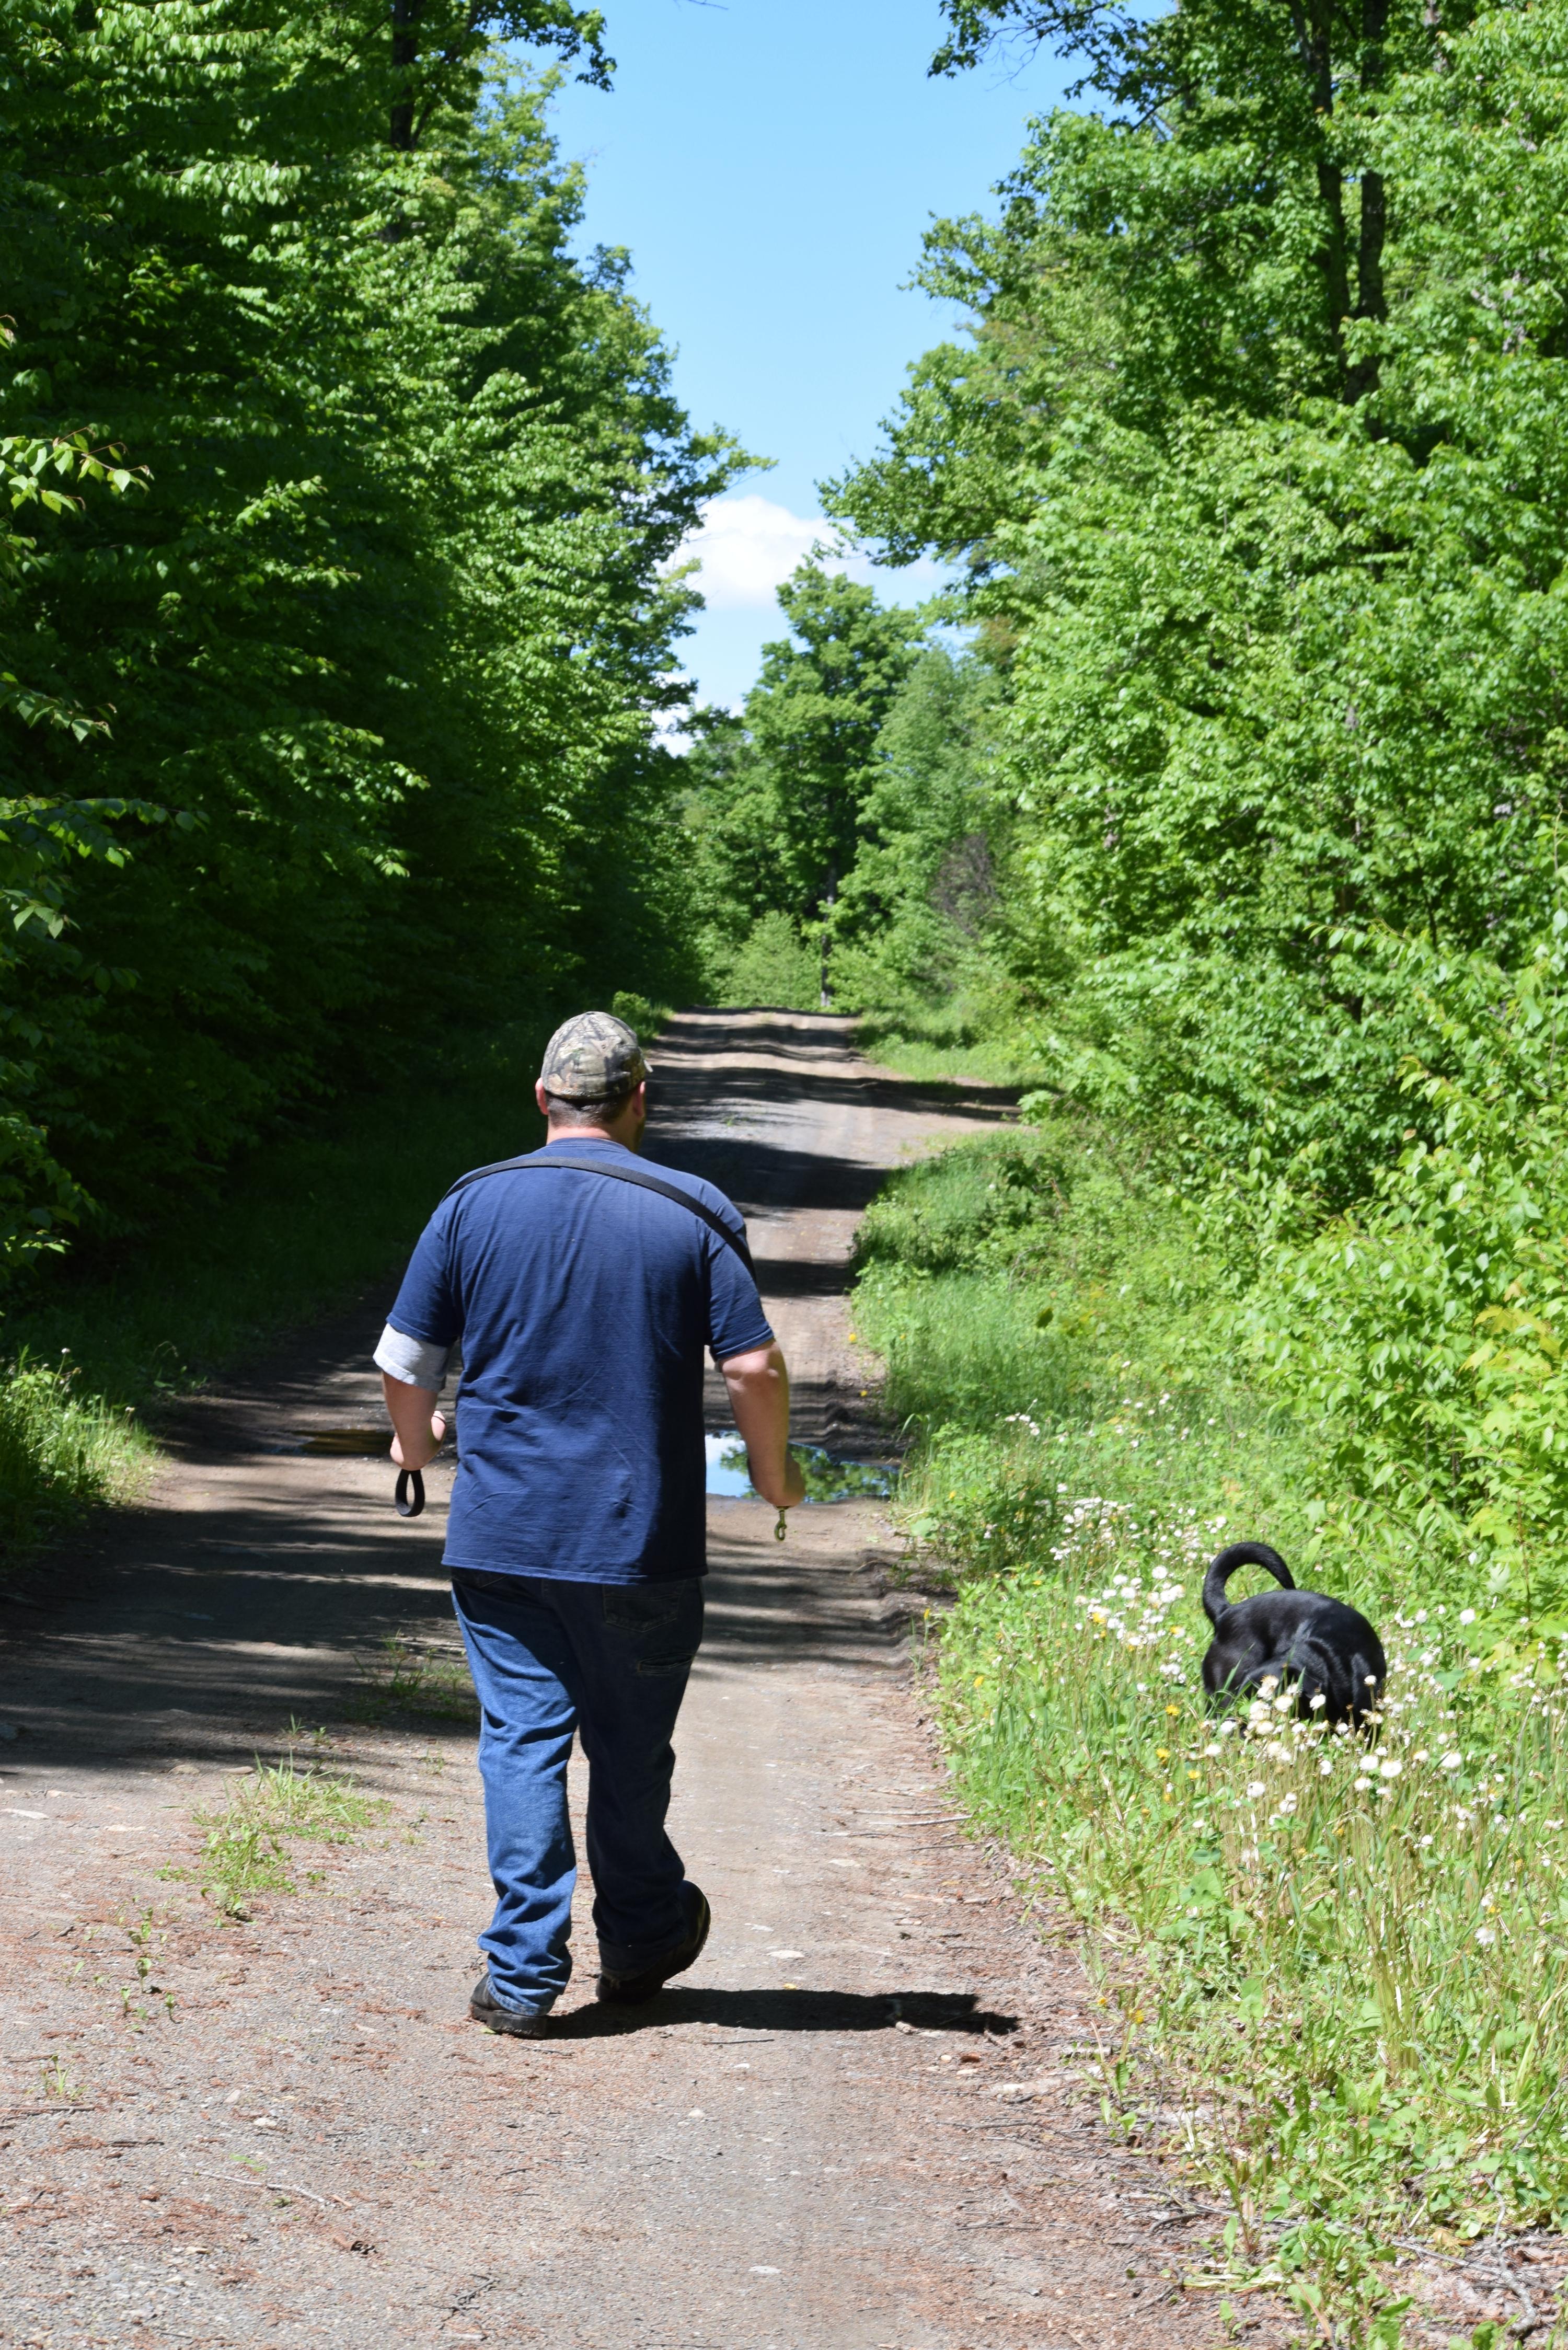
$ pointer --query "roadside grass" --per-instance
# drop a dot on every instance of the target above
(244, 1851)
(952, 1043)
(1334, 1972)
(1048, 1313)
(427, 1677)
(61, 1453)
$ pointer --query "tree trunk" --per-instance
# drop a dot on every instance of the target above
(1370, 299)
(1315, 38)
(829, 899)
(405, 57)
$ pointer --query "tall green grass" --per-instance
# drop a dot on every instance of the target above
(61, 1453)
(1048, 1313)
(958, 1043)
(1334, 1972)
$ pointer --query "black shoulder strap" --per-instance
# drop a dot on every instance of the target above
(617, 1174)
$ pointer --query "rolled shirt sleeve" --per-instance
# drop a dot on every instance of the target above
(417, 1362)
(425, 1322)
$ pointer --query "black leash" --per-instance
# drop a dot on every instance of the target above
(615, 1173)
(412, 1505)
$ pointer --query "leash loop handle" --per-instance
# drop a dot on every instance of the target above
(406, 1505)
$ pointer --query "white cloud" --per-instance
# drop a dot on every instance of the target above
(747, 548)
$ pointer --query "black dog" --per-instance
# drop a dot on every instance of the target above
(1317, 1644)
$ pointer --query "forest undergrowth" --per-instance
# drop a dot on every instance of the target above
(300, 1228)
(1332, 1969)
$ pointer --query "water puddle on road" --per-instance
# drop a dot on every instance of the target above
(827, 1478)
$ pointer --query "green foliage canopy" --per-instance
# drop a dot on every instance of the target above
(387, 617)
(780, 797)
(1274, 574)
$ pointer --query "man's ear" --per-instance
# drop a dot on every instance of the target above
(542, 1098)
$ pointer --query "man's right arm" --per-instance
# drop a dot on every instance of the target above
(413, 1370)
(758, 1383)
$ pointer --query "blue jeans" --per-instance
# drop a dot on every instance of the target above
(609, 1662)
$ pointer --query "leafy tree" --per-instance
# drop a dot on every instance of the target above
(1275, 600)
(921, 898)
(40, 842)
(814, 718)
(1273, 112)
(389, 621)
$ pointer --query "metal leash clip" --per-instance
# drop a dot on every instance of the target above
(408, 1507)
(780, 1529)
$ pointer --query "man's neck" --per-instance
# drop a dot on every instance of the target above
(586, 1134)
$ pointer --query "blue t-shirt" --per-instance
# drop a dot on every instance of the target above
(583, 1308)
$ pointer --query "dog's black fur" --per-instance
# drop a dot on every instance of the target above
(1316, 1644)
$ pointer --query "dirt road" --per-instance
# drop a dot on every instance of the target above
(858, 2122)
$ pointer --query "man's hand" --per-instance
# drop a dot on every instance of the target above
(417, 1428)
(759, 1397)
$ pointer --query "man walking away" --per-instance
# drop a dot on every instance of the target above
(583, 1301)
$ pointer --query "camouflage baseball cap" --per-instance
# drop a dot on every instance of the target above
(595, 1057)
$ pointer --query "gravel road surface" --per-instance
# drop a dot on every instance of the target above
(859, 2124)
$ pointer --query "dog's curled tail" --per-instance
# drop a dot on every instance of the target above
(1223, 1566)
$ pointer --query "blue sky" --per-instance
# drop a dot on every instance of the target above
(771, 166)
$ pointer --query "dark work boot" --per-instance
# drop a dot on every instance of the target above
(630, 1991)
(520, 2023)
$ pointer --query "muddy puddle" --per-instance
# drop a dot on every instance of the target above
(827, 1477)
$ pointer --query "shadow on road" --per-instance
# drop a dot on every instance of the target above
(786, 2010)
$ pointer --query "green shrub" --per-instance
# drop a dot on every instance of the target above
(774, 966)
(1423, 1330)
(61, 1453)
(1054, 1325)
(638, 1013)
